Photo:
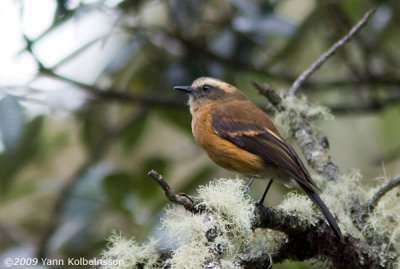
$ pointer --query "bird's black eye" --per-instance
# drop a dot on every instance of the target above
(206, 88)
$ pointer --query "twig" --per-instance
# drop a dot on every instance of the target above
(270, 94)
(324, 57)
(110, 93)
(194, 47)
(189, 202)
(116, 94)
(394, 182)
(375, 104)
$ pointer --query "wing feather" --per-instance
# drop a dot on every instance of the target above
(256, 134)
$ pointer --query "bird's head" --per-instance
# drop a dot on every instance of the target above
(206, 90)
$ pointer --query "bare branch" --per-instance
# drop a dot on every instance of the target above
(189, 202)
(373, 105)
(385, 188)
(270, 94)
(110, 93)
(116, 94)
(324, 57)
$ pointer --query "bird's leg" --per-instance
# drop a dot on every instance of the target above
(247, 186)
(265, 193)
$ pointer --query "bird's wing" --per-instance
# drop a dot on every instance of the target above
(249, 128)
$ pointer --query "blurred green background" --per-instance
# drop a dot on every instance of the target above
(87, 106)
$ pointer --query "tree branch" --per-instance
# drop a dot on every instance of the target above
(116, 94)
(316, 152)
(361, 212)
(385, 188)
(306, 239)
(281, 220)
(373, 105)
(324, 57)
(315, 149)
(110, 93)
(189, 202)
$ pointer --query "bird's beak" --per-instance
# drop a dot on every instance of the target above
(186, 89)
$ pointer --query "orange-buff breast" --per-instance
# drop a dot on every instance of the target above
(220, 150)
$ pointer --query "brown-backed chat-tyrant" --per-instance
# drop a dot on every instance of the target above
(239, 136)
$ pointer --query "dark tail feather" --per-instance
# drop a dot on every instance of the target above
(325, 211)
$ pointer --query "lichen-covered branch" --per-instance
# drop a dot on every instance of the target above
(316, 152)
(315, 149)
(306, 238)
(361, 213)
(394, 182)
(281, 220)
(352, 254)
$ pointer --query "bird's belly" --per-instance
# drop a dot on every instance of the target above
(231, 157)
(224, 153)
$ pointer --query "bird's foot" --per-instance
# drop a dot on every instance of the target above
(247, 186)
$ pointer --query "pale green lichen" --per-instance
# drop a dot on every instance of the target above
(265, 240)
(223, 230)
(127, 252)
(301, 106)
(189, 230)
(191, 254)
(183, 225)
(386, 217)
(299, 202)
(232, 209)
(337, 195)
(227, 264)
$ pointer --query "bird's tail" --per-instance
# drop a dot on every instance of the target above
(325, 211)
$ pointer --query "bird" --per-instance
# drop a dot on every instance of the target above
(237, 135)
